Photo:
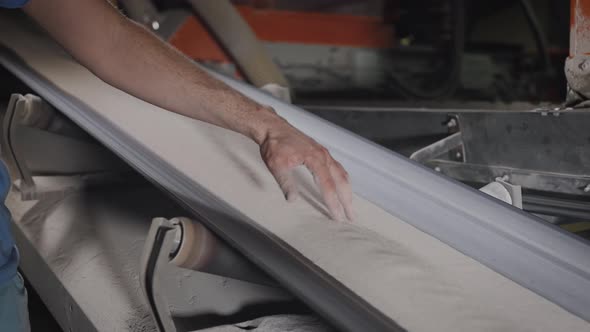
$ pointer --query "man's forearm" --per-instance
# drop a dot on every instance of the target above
(171, 81)
(129, 57)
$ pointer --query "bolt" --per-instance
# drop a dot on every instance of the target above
(437, 169)
(458, 155)
(155, 25)
(452, 123)
(587, 189)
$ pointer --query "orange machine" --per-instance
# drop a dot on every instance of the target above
(271, 25)
(580, 28)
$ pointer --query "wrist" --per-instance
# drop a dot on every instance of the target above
(265, 124)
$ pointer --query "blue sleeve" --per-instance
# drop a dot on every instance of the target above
(12, 3)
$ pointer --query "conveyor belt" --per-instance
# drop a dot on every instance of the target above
(404, 278)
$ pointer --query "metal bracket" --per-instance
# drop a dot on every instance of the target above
(504, 191)
(172, 314)
(436, 149)
(11, 155)
(529, 179)
(49, 155)
(150, 260)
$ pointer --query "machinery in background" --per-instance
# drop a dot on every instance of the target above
(394, 51)
(544, 150)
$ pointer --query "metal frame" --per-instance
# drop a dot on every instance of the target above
(155, 271)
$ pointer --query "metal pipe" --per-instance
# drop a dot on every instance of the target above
(537, 30)
(236, 36)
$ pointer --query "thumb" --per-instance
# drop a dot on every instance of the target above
(287, 183)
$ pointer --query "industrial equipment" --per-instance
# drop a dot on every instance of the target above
(89, 183)
(401, 52)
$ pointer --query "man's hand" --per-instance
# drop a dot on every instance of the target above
(127, 56)
(284, 148)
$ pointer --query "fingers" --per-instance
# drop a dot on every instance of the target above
(328, 174)
(287, 183)
(328, 188)
(283, 174)
(343, 188)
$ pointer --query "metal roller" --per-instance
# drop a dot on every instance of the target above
(196, 248)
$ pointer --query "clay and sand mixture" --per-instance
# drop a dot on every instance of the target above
(418, 281)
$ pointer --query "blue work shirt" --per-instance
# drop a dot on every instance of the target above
(12, 3)
(8, 252)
